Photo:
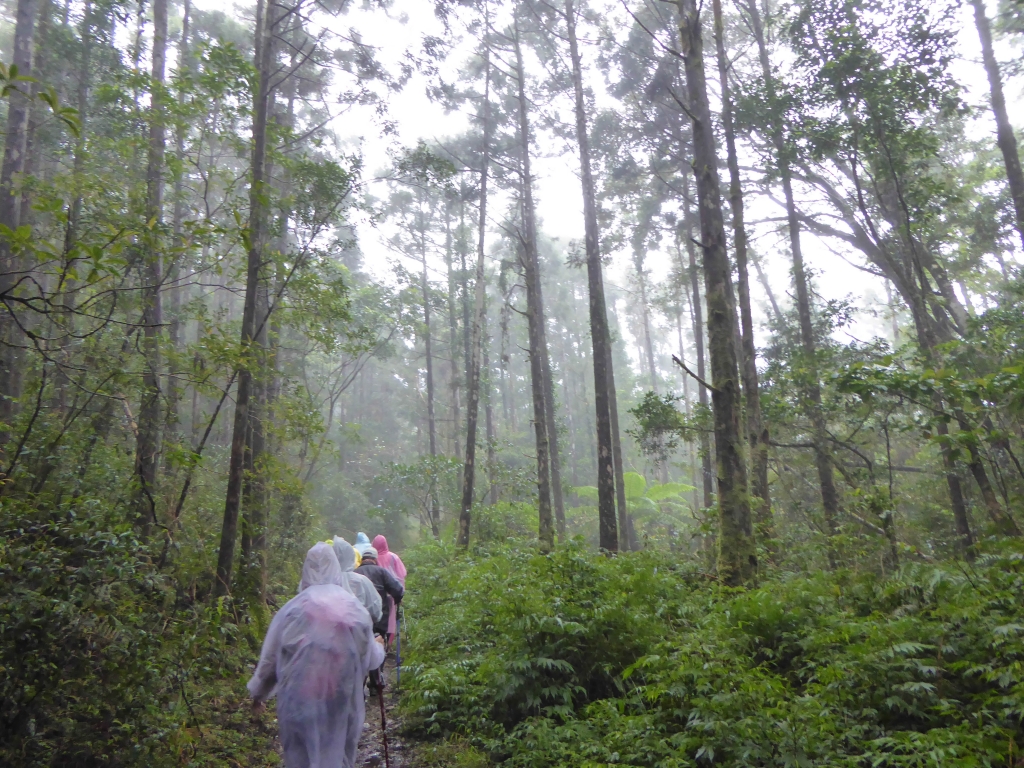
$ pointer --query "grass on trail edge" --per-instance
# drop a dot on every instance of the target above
(575, 659)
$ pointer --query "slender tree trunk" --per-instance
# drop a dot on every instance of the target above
(492, 459)
(737, 555)
(812, 385)
(252, 578)
(707, 476)
(552, 425)
(435, 510)
(1005, 137)
(507, 403)
(15, 148)
(148, 446)
(757, 431)
(762, 278)
(626, 539)
(266, 20)
(172, 429)
(645, 317)
(534, 310)
(603, 392)
(1003, 521)
(255, 492)
(453, 374)
(33, 168)
(75, 209)
(479, 317)
(890, 301)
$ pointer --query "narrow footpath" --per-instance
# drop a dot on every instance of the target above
(371, 744)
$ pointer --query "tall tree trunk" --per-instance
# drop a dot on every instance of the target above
(486, 383)
(534, 310)
(762, 278)
(15, 147)
(454, 378)
(267, 15)
(75, 209)
(890, 301)
(435, 508)
(603, 393)
(253, 576)
(507, 401)
(1005, 137)
(757, 431)
(479, 317)
(552, 425)
(626, 539)
(812, 385)
(148, 445)
(707, 476)
(172, 429)
(737, 555)
(645, 318)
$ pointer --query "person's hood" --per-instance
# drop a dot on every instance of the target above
(362, 543)
(380, 544)
(346, 555)
(321, 566)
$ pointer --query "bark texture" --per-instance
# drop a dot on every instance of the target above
(812, 385)
(148, 444)
(737, 555)
(1005, 137)
(267, 15)
(479, 322)
(534, 309)
(757, 431)
(15, 150)
(601, 344)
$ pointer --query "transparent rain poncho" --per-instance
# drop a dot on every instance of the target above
(356, 583)
(317, 651)
(362, 543)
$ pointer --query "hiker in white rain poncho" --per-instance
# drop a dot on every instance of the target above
(352, 582)
(317, 652)
(356, 583)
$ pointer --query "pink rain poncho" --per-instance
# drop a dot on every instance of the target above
(317, 651)
(392, 562)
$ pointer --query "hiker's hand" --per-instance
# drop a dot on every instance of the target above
(258, 707)
(378, 639)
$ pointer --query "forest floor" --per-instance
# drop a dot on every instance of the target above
(371, 744)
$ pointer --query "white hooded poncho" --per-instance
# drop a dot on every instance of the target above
(317, 651)
(356, 583)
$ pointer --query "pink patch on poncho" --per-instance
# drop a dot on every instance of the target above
(392, 562)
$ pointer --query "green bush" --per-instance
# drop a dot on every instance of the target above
(103, 659)
(578, 660)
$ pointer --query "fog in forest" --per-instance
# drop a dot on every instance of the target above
(677, 347)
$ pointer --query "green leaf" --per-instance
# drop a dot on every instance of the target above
(635, 485)
(665, 490)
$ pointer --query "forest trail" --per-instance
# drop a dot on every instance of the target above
(371, 745)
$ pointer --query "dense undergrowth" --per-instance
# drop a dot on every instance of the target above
(578, 660)
(108, 660)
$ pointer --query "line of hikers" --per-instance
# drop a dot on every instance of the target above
(324, 643)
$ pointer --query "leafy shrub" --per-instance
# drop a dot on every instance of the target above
(578, 660)
(103, 661)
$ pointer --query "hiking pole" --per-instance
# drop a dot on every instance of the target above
(383, 719)
(398, 650)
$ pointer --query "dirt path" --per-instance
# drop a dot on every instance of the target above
(371, 747)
